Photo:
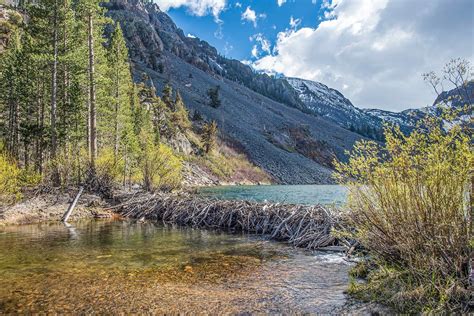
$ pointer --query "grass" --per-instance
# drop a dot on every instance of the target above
(228, 165)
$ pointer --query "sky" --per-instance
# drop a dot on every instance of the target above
(372, 51)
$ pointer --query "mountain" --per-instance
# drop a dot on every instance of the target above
(460, 99)
(333, 106)
(457, 98)
(407, 119)
(262, 116)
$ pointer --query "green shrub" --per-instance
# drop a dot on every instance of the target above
(161, 169)
(71, 166)
(10, 183)
(409, 206)
(108, 166)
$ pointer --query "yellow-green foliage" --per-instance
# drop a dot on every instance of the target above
(13, 179)
(228, 165)
(160, 168)
(108, 165)
(409, 206)
(71, 164)
(10, 183)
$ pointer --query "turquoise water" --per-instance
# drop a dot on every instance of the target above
(294, 194)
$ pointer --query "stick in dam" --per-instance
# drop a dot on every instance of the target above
(299, 225)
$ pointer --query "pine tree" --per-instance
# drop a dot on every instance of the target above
(168, 96)
(10, 83)
(180, 115)
(120, 84)
(66, 93)
(209, 135)
(214, 98)
(54, 91)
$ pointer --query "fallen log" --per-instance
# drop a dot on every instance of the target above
(301, 226)
(72, 206)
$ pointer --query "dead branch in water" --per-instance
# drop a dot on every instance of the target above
(301, 226)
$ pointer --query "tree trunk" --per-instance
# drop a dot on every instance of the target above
(66, 100)
(116, 118)
(72, 206)
(41, 125)
(92, 100)
(54, 90)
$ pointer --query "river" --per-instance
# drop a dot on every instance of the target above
(126, 267)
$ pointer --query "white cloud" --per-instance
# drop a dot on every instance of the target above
(281, 2)
(294, 23)
(254, 51)
(262, 42)
(191, 35)
(376, 50)
(250, 15)
(228, 48)
(196, 7)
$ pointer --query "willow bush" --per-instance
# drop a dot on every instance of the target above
(160, 168)
(10, 184)
(13, 178)
(409, 203)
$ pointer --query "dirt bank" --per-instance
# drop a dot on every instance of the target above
(44, 207)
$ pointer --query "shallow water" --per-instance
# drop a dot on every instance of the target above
(296, 194)
(115, 266)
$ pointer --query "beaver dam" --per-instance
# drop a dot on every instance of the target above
(301, 226)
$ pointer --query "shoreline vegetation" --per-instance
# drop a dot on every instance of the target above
(410, 203)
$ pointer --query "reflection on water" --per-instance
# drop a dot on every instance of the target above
(113, 266)
(295, 194)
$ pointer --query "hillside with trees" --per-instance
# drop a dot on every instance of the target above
(72, 114)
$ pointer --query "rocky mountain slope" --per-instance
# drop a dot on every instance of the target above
(333, 106)
(9, 21)
(292, 146)
(460, 99)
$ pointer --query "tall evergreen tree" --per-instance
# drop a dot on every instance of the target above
(209, 135)
(121, 83)
(180, 115)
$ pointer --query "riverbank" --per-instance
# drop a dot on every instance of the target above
(50, 207)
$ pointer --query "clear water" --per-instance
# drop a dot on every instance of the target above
(124, 267)
(294, 194)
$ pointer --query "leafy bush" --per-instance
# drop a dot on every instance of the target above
(71, 165)
(409, 206)
(13, 178)
(108, 166)
(10, 184)
(161, 169)
(228, 164)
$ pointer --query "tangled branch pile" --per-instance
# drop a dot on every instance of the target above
(301, 226)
